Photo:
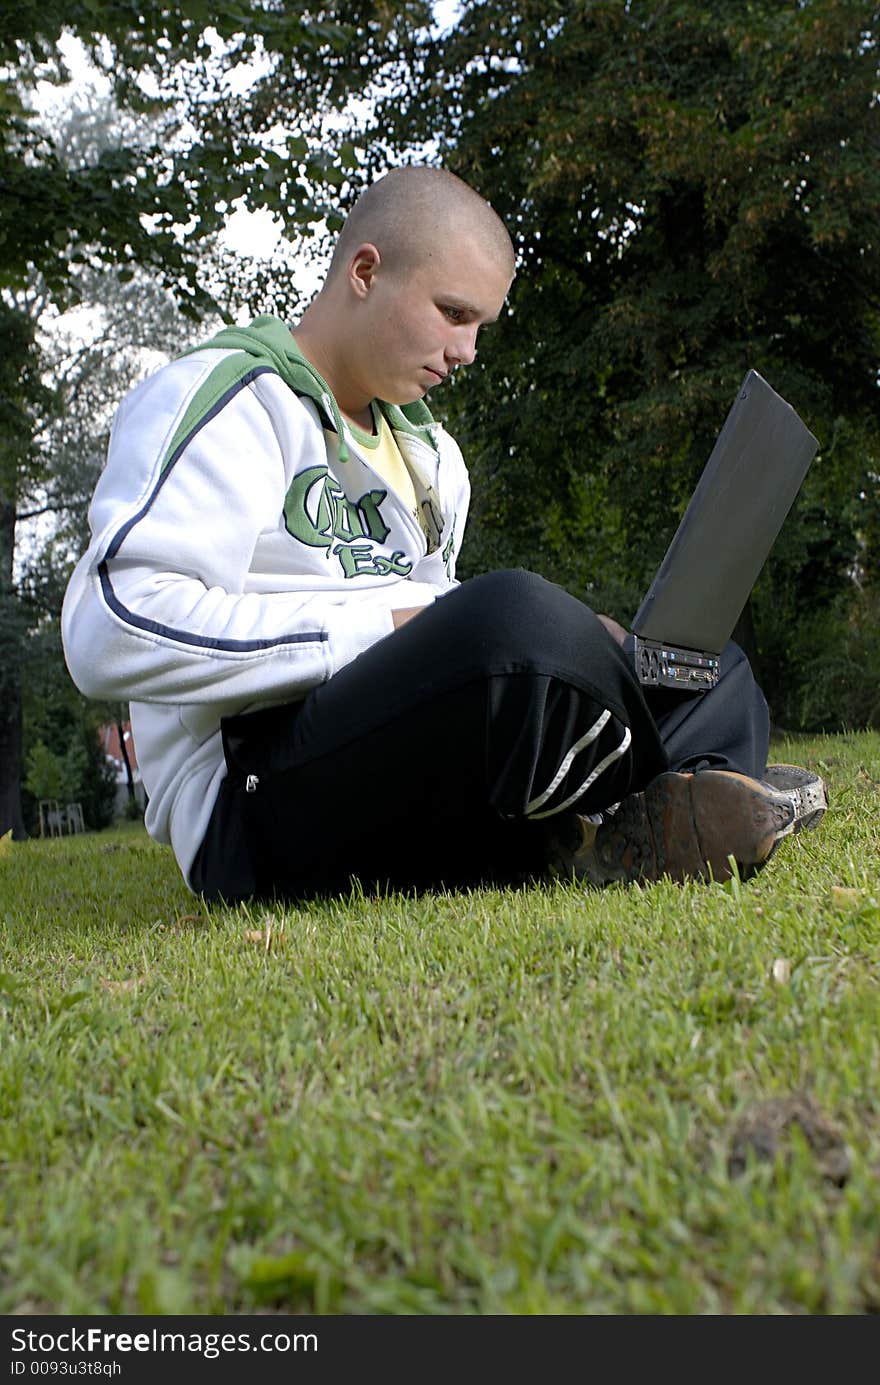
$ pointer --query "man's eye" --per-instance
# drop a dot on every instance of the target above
(454, 314)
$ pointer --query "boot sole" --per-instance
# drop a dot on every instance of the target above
(809, 792)
(689, 826)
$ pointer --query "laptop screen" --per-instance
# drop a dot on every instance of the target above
(746, 490)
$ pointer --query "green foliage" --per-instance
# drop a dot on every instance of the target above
(24, 399)
(77, 772)
(693, 190)
(91, 776)
(23, 395)
(126, 203)
(64, 759)
(491, 1102)
(45, 773)
(836, 665)
(133, 810)
(131, 193)
(56, 445)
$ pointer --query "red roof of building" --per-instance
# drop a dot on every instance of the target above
(109, 736)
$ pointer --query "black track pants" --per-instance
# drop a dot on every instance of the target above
(447, 752)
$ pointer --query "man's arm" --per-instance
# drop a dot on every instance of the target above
(164, 606)
(615, 630)
(401, 616)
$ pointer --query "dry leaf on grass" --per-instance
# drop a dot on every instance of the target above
(128, 984)
(844, 898)
(266, 936)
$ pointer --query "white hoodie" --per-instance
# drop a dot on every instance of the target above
(242, 551)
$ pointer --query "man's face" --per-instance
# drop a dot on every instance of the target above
(422, 322)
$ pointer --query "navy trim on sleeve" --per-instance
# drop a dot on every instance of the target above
(168, 631)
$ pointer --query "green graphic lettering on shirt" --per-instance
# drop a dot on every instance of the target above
(317, 511)
(449, 550)
(360, 558)
(334, 516)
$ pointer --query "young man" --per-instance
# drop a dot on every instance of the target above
(271, 583)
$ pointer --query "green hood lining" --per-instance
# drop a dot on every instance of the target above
(268, 339)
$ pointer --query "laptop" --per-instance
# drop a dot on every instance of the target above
(747, 488)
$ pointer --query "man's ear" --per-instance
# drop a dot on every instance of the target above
(362, 269)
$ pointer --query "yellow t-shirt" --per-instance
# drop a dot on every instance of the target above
(387, 459)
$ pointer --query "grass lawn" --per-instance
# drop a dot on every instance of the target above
(553, 1100)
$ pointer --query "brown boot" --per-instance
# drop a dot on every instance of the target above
(690, 826)
(810, 793)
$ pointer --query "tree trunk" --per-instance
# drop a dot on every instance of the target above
(10, 684)
(123, 750)
(10, 763)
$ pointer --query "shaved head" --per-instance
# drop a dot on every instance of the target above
(410, 210)
(421, 265)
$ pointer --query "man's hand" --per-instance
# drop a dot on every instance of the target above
(404, 614)
(616, 631)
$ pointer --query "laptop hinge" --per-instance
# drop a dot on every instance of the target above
(670, 666)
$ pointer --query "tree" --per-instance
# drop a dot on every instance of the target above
(57, 395)
(146, 188)
(693, 189)
(63, 757)
(62, 207)
(22, 395)
(130, 327)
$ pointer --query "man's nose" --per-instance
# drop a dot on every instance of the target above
(462, 350)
